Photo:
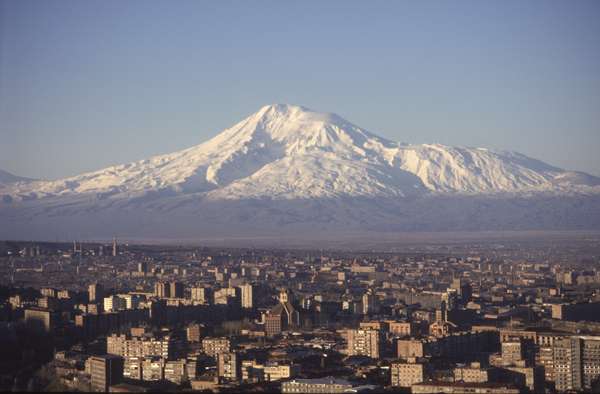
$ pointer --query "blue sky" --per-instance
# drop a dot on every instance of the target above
(86, 84)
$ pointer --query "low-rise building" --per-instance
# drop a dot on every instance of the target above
(214, 346)
(405, 374)
(273, 371)
(461, 388)
(321, 386)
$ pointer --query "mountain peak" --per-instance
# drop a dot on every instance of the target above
(289, 112)
(286, 124)
(283, 108)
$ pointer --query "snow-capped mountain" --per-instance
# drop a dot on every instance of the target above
(285, 151)
(281, 158)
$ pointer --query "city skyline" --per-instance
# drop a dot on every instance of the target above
(300, 197)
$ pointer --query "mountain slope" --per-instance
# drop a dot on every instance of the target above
(285, 151)
(287, 168)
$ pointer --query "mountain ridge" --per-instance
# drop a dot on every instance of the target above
(322, 155)
(289, 171)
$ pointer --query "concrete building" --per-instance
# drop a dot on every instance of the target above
(461, 388)
(143, 347)
(322, 385)
(105, 371)
(223, 296)
(512, 352)
(269, 372)
(382, 326)
(473, 373)
(40, 319)
(402, 329)
(114, 304)
(95, 292)
(162, 290)
(407, 348)
(49, 303)
(247, 296)
(200, 295)
(405, 374)
(213, 346)
(176, 371)
(132, 368)
(176, 289)
(462, 288)
(229, 367)
(143, 267)
(153, 369)
(282, 316)
(576, 363)
(441, 328)
(193, 332)
(369, 303)
(132, 301)
(273, 324)
(363, 342)
(589, 311)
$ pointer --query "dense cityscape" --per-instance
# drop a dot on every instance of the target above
(485, 317)
(300, 197)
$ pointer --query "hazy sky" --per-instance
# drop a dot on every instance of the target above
(86, 84)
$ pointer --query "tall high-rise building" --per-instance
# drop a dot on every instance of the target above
(95, 292)
(363, 342)
(114, 303)
(576, 363)
(247, 297)
(463, 289)
(229, 366)
(162, 290)
(143, 267)
(114, 247)
(132, 301)
(176, 290)
(369, 303)
(200, 294)
(274, 324)
(105, 371)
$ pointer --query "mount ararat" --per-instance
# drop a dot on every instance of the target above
(287, 170)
